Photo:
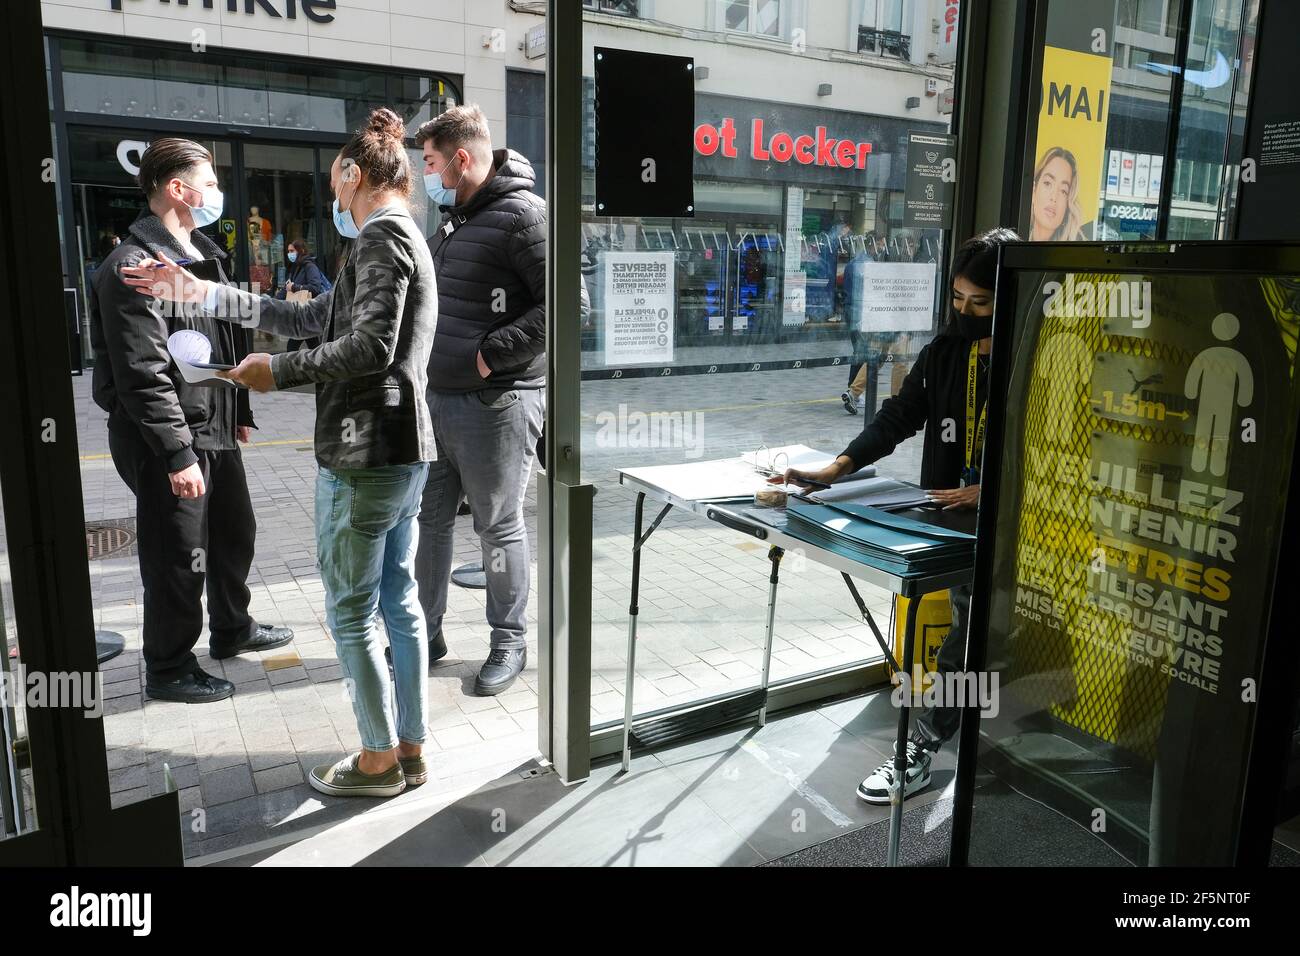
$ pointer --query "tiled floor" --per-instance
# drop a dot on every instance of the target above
(241, 764)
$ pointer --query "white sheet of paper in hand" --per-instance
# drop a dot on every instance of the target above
(191, 351)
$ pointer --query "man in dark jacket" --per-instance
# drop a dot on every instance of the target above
(487, 374)
(175, 445)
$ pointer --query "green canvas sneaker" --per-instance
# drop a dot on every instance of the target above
(343, 779)
(415, 770)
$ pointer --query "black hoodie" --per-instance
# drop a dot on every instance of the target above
(490, 260)
(933, 397)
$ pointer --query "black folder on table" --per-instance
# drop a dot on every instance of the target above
(893, 542)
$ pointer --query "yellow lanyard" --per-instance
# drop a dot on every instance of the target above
(974, 432)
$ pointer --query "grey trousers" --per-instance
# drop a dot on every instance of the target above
(486, 448)
(935, 725)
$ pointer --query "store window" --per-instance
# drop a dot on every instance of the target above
(764, 339)
(625, 8)
(1110, 131)
(163, 83)
(759, 17)
(526, 120)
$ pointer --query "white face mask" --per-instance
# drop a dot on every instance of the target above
(210, 211)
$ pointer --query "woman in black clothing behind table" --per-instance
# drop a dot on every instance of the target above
(937, 391)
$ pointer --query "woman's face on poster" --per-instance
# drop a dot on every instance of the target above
(1052, 195)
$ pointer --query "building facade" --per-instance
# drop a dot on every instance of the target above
(273, 87)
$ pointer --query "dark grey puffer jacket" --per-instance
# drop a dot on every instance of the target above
(377, 327)
(490, 257)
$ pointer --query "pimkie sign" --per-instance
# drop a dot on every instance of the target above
(317, 11)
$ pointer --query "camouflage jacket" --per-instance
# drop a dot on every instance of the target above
(376, 328)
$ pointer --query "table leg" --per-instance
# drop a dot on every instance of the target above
(871, 622)
(900, 744)
(631, 635)
(774, 554)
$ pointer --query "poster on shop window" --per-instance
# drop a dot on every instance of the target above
(1073, 115)
(639, 303)
(889, 296)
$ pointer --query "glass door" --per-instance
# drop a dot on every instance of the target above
(755, 301)
(703, 261)
(725, 338)
(279, 207)
(17, 787)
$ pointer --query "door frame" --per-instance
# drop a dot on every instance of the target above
(40, 479)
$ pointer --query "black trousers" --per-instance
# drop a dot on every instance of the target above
(936, 725)
(185, 543)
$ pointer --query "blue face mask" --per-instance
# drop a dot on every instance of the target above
(344, 223)
(440, 195)
(210, 211)
(292, 257)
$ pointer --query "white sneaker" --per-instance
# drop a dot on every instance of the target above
(875, 789)
(851, 404)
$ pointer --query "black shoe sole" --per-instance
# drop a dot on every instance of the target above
(248, 648)
(178, 697)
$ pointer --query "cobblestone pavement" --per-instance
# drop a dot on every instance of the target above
(241, 764)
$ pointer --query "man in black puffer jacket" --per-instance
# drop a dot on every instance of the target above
(487, 374)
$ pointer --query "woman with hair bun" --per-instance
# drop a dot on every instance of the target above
(373, 440)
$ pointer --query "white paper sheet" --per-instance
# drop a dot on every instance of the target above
(876, 492)
(703, 480)
(192, 353)
(731, 478)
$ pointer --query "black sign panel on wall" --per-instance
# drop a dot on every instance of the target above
(1269, 207)
(645, 119)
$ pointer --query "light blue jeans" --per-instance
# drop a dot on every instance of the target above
(366, 539)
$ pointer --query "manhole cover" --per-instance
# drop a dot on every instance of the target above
(110, 538)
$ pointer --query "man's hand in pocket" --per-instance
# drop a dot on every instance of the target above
(483, 369)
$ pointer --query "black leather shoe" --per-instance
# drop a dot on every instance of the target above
(199, 687)
(500, 670)
(264, 639)
(437, 650)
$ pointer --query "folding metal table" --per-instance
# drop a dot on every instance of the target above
(729, 515)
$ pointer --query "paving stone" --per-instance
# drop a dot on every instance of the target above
(278, 778)
(225, 785)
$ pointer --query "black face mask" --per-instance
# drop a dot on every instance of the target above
(972, 327)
